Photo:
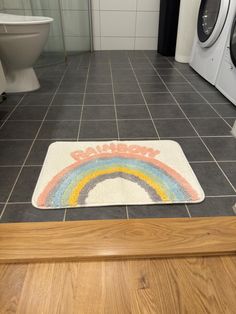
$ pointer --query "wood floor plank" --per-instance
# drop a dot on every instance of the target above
(163, 286)
(224, 298)
(36, 289)
(11, 282)
(143, 287)
(100, 240)
(117, 298)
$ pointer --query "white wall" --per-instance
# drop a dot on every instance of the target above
(76, 24)
(117, 24)
(125, 24)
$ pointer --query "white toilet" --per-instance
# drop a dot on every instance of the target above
(22, 39)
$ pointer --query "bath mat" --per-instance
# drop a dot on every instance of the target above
(82, 174)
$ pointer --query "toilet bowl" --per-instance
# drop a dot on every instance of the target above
(22, 39)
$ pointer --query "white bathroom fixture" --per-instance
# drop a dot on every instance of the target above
(22, 39)
(214, 22)
(188, 14)
(226, 80)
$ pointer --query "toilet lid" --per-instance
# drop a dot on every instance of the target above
(11, 19)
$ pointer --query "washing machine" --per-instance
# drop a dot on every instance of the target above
(214, 21)
(226, 80)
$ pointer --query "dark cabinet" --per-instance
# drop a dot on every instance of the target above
(168, 27)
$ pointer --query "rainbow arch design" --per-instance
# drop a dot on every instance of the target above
(71, 187)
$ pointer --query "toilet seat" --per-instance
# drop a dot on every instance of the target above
(10, 19)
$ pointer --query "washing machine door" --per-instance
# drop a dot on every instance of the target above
(233, 43)
(211, 20)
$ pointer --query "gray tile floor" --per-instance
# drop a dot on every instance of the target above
(117, 95)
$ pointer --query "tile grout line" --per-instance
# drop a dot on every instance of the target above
(116, 118)
(188, 211)
(234, 189)
(114, 100)
(234, 208)
(195, 89)
(127, 211)
(67, 92)
(18, 203)
(84, 96)
(15, 182)
(140, 119)
(210, 161)
(81, 114)
(100, 24)
(207, 196)
(107, 138)
(14, 109)
(191, 162)
(135, 21)
(215, 196)
(144, 99)
(64, 217)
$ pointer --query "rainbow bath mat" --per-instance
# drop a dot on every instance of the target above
(80, 174)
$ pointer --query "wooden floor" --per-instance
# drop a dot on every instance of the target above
(186, 285)
(142, 266)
